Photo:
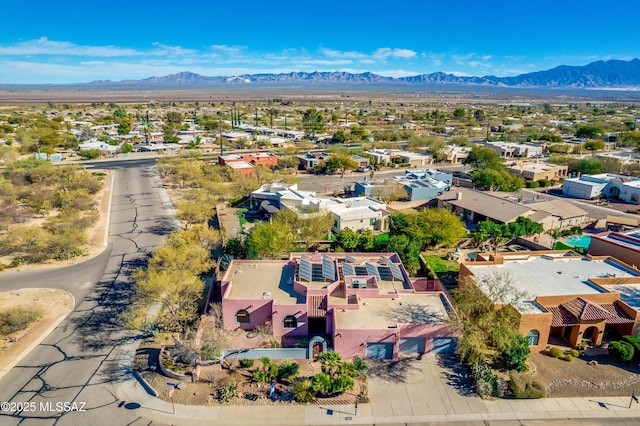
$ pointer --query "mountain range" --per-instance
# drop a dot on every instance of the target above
(596, 75)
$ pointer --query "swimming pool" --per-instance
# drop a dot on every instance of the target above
(581, 241)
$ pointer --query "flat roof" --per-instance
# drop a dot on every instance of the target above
(240, 165)
(551, 276)
(263, 280)
(388, 312)
(629, 293)
(629, 239)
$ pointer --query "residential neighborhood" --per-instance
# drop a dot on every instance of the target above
(386, 239)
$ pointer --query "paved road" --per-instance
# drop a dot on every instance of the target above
(73, 364)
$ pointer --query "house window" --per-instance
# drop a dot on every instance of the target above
(242, 316)
(532, 337)
(290, 321)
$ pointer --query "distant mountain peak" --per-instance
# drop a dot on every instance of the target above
(613, 73)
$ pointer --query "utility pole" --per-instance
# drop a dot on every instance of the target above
(220, 130)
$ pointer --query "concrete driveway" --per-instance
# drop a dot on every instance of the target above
(435, 386)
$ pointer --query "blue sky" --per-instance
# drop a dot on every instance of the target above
(73, 41)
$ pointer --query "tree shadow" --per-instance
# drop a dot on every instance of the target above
(391, 370)
(455, 374)
(162, 227)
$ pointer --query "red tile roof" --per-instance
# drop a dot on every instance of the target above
(578, 310)
(584, 310)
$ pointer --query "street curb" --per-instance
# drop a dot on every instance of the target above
(150, 390)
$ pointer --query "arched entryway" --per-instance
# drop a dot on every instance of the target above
(591, 335)
(615, 192)
(317, 345)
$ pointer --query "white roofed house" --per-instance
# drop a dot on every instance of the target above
(358, 213)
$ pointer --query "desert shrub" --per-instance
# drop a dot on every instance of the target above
(555, 352)
(635, 342)
(246, 363)
(288, 370)
(531, 184)
(168, 363)
(568, 358)
(574, 353)
(209, 352)
(303, 391)
(359, 365)
(267, 372)
(17, 318)
(515, 354)
(523, 386)
(228, 392)
(621, 351)
(485, 380)
(324, 384)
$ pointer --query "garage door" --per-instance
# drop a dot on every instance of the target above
(444, 345)
(412, 345)
(577, 192)
(380, 350)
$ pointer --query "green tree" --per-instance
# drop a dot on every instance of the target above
(495, 179)
(190, 213)
(482, 158)
(430, 228)
(269, 241)
(341, 161)
(594, 145)
(90, 154)
(387, 193)
(590, 131)
(347, 239)
(589, 165)
(177, 291)
(459, 112)
(515, 353)
(174, 117)
(120, 112)
(339, 136)
(124, 128)
(312, 122)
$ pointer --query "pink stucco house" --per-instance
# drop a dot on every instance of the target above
(355, 303)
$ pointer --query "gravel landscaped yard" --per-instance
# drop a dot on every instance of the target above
(583, 379)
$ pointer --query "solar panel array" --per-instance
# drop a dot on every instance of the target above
(349, 259)
(328, 268)
(348, 269)
(306, 268)
(386, 260)
(385, 273)
(395, 271)
(372, 269)
(316, 272)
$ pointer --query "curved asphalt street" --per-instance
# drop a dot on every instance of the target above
(74, 363)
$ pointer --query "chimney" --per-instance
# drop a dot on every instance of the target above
(458, 195)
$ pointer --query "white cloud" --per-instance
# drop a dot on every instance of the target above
(387, 52)
(44, 46)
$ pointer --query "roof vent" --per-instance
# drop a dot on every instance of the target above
(266, 294)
